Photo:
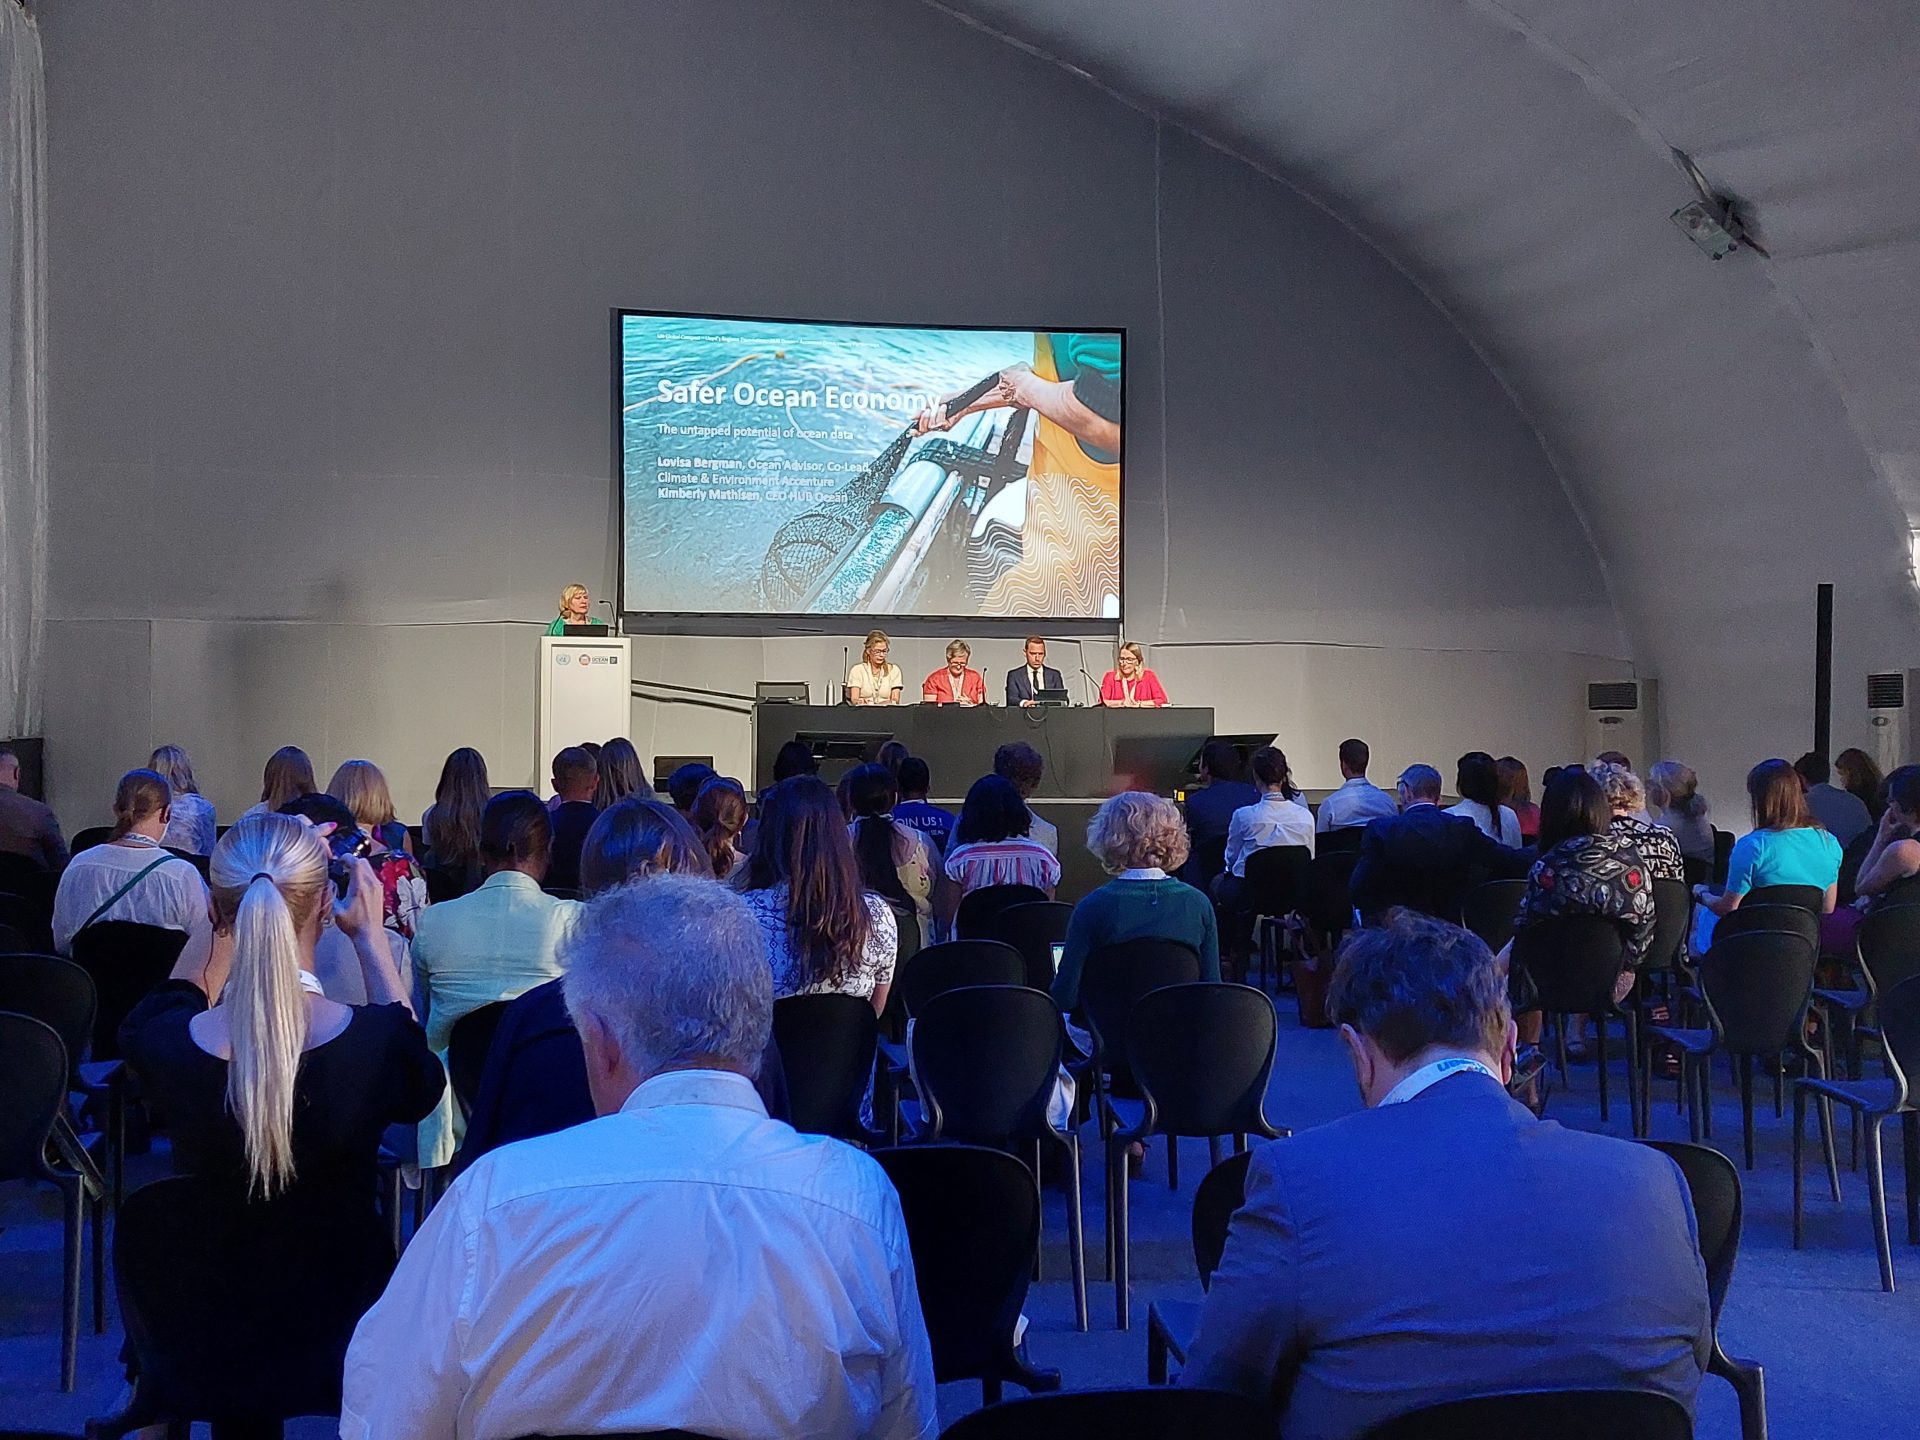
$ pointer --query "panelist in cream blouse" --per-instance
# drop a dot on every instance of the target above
(873, 681)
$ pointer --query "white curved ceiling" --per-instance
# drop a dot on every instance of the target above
(1731, 432)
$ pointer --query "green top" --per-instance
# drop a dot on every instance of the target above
(558, 627)
(1119, 910)
(1074, 353)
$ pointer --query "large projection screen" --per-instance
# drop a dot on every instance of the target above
(781, 468)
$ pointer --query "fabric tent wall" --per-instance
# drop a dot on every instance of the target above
(329, 292)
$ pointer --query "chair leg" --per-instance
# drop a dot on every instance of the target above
(1749, 1384)
(1560, 1047)
(1117, 1224)
(75, 1196)
(396, 1192)
(1636, 1078)
(1799, 1143)
(1213, 1151)
(1779, 1090)
(1826, 1131)
(1877, 1192)
(1703, 1079)
(117, 1138)
(1600, 1060)
(1173, 1162)
(1746, 1106)
(1076, 1236)
(1910, 1156)
(1040, 1208)
(97, 1214)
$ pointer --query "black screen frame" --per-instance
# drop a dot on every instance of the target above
(804, 622)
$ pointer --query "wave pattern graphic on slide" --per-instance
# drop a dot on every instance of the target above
(1070, 552)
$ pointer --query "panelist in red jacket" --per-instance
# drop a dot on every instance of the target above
(956, 682)
(1130, 685)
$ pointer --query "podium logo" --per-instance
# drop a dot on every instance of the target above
(561, 657)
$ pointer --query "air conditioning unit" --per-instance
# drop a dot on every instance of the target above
(1889, 697)
(1624, 715)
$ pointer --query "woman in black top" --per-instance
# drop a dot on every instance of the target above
(275, 1087)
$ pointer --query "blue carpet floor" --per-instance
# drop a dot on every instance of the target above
(1841, 1357)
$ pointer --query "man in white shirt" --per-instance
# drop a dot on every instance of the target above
(1358, 800)
(682, 1262)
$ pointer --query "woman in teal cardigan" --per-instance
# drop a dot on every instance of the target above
(574, 602)
(1139, 839)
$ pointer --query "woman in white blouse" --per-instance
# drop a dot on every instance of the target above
(132, 877)
(1478, 781)
(873, 681)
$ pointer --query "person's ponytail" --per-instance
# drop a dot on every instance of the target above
(266, 1014)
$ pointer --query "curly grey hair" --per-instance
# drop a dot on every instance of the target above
(1623, 789)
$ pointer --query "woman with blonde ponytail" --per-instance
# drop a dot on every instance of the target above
(262, 1077)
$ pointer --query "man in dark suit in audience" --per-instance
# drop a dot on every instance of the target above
(26, 826)
(1025, 682)
(1424, 858)
(575, 777)
(1224, 789)
(1444, 1243)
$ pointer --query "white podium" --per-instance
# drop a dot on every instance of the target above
(585, 694)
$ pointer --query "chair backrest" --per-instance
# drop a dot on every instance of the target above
(449, 882)
(1342, 840)
(1117, 975)
(24, 875)
(1889, 943)
(985, 1058)
(1898, 1010)
(126, 960)
(33, 1086)
(1573, 960)
(1722, 855)
(1672, 911)
(12, 942)
(1699, 870)
(1808, 897)
(1794, 918)
(467, 1050)
(1276, 880)
(202, 863)
(1490, 909)
(948, 966)
(1757, 984)
(1203, 1054)
(1713, 1184)
(1034, 929)
(242, 1311)
(1530, 1414)
(979, 908)
(1209, 858)
(54, 991)
(973, 1220)
(826, 1047)
(1328, 903)
(1222, 1191)
(95, 835)
(1151, 1412)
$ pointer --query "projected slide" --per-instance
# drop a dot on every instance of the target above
(788, 468)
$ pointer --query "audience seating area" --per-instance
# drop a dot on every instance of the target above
(974, 1091)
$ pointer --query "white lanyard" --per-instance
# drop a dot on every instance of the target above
(1428, 1076)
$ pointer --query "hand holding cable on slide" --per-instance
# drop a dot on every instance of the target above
(996, 392)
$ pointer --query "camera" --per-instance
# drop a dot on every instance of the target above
(347, 846)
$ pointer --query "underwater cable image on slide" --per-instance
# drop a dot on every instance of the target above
(792, 468)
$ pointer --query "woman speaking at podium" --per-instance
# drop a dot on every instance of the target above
(1130, 685)
(574, 601)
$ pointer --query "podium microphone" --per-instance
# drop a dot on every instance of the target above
(846, 668)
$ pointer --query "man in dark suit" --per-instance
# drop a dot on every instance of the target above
(1209, 810)
(575, 777)
(1424, 858)
(1026, 681)
(1444, 1243)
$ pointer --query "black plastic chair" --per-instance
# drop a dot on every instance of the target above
(29, 917)
(27, 877)
(95, 835)
(1152, 1413)
(1722, 856)
(12, 942)
(1876, 1101)
(57, 992)
(826, 1046)
(1034, 929)
(972, 1222)
(1699, 870)
(1171, 1324)
(1115, 977)
(467, 1051)
(1810, 898)
(1207, 861)
(1714, 1187)
(33, 1090)
(1490, 910)
(1886, 952)
(1327, 906)
(979, 908)
(126, 960)
(1202, 1054)
(449, 882)
(1574, 962)
(1273, 886)
(954, 963)
(986, 1059)
(1530, 1414)
(1755, 986)
(1672, 918)
(1345, 840)
(239, 1313)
